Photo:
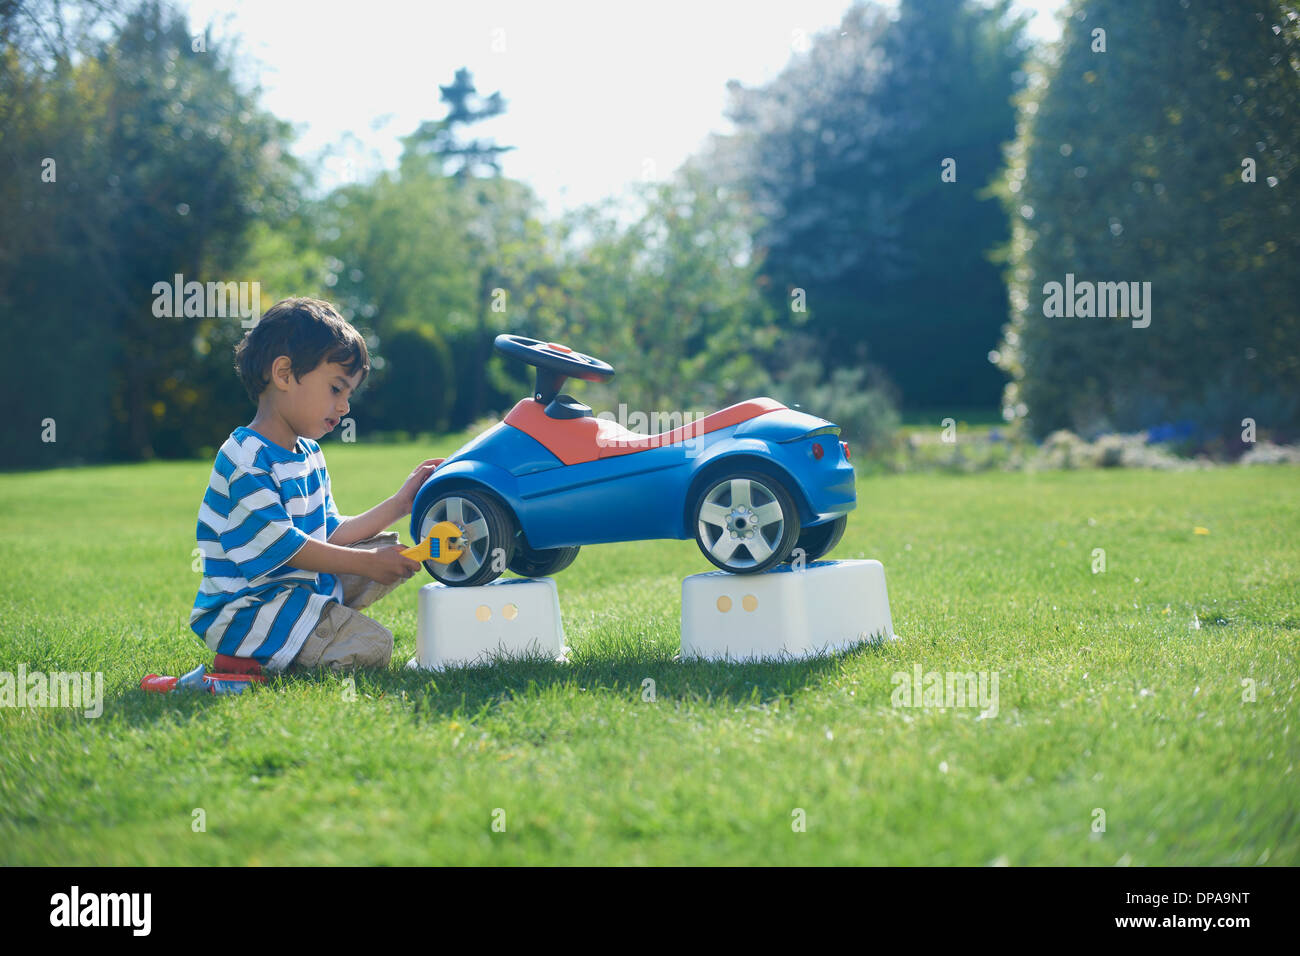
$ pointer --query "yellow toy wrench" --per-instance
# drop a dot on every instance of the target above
(439, 546)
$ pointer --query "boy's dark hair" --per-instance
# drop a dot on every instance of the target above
(309, 331)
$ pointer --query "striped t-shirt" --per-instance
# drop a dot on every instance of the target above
(261, 506)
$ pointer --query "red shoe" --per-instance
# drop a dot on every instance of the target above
(226, 664)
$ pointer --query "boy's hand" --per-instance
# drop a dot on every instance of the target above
(406, 496)
(389, 566)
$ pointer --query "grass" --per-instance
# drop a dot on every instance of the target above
(1110, 698)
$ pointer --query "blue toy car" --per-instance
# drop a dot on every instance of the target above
(751, 483)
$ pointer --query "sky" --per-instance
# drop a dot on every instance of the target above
(600, 95)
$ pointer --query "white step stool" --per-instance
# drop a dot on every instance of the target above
(827, 606)
(514, 617)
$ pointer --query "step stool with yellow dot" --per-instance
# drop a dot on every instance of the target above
(509, 618)
(791, 611)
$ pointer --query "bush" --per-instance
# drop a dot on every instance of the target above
(414, 390)
(1267, 453)
(1064, 449)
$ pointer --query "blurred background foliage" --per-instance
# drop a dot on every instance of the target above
(816, 254)
(1128, 165)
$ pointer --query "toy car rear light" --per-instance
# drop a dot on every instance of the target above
(817, 451)
(845, 446)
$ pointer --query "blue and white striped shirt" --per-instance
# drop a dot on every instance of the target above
(261, 506)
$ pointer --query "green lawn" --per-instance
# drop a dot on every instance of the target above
(1110, 698)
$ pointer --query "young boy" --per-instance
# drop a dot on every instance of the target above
(284, 574)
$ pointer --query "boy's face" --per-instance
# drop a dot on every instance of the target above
(314, 405)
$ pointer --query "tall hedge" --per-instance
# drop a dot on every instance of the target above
(1133, 161)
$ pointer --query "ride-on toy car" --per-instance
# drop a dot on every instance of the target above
(751, 483)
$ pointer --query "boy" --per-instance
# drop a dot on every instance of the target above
(283, 572)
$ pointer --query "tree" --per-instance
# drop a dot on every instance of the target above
(406, 260)
(438, 140)
(160, 164)
(674, 300)
(845, 155)
(1168, 158)
(490, 209)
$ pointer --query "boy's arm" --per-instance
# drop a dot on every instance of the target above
(386, 565)
(317, 555)
(359, 527)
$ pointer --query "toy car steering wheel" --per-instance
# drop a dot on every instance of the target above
(554, 363)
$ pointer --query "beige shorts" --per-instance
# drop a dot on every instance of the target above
(343, 639)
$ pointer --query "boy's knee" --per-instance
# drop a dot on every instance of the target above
(378, 650)
(345, 640)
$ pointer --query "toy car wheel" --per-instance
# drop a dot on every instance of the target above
(485, 525)
(815, 542)
(529, 562)
(746, 522)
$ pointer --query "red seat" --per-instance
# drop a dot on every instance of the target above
(577, 440)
